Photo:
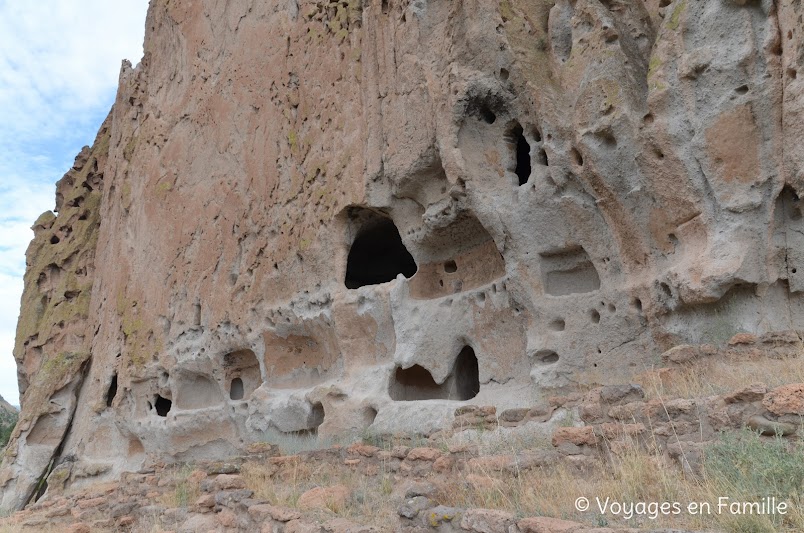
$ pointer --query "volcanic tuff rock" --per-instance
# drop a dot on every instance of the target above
(345, 216)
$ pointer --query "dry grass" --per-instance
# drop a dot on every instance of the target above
(187, 488)
(634, 474)
(637, 475)
(371, 494)
(718, 376)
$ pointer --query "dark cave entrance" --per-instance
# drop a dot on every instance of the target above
(112, 391)
(162, 405)
(467, 375)
(378, 256)
(521, 154)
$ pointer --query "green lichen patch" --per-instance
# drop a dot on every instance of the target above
(58, 286)
(675, 18)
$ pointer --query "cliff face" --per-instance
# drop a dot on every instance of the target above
(342, 216)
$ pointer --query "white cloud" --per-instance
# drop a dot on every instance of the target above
(59, 65)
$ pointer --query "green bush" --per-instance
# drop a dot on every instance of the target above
(7, 424)
(746, 467)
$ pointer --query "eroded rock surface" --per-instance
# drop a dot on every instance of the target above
(311, 216)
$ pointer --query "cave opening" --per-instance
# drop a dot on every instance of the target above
(162, 405)
(112, 391)
(242, 373)
(521, 153)
(414, 383)
(467, 375)
(417, 383)
(236, 390)
(378, 255)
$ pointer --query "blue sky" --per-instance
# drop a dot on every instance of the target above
(59, 63)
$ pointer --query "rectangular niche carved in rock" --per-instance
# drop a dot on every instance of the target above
(568, 271)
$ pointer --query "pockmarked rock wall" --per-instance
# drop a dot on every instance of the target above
(333, 217)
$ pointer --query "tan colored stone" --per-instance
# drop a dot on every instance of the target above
(742, 338)
(683, 353)
(362, 449)
(93, 502)
(423, 454)
(751, 393)
(227, 518)
(487, 520)
(261, 512)
(334, 497)
(206, 500)
(544, 524)
(443, 464)
(784, 400)
(575, 435)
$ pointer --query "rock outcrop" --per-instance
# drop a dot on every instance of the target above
(315, 216)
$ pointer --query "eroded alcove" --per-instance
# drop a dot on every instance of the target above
(789, 237)
(197, 391)
(377, 254)
(460, 256)
(241, 373)
(568, 271)
(416, 382)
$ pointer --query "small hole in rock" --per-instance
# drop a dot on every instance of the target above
(793, 270)
(577, 158)
(665, 288)
(742, 89)
(791, 73)
(488, 116)
(665, 3)
(557, 324)
(547, 356)
(504, 74)
(385, 7)
(521, 154)
(162, 405)
(55, 239)
(612, 308)
(112, 391)
(594, 316)
(541, 157)
(450, 267)
(637, 304)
